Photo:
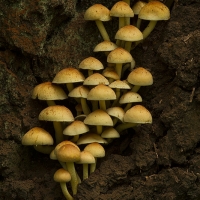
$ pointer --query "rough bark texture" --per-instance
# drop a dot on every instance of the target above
(159, 161)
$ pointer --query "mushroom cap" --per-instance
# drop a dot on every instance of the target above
(98, 117)
(110, 133)
(137, 7)
(56, 113)
(105, 46)
(117, 112)
(129, 33)
(68, 153)
(138, 114)
(95, 149)
(140, 76)
(154, 10)
(37, 136)
(86, 158)
(76, 128)
(91, 63)
(109, 72)
(79, 92)
(120, 84)
(130, 97)
(119, 55)
(68, 75)
(121, 9)
(101, 92)
(62, 175)
(64, 143)
(90, 138)
(97, 12)
(96, 79)
(48, 91)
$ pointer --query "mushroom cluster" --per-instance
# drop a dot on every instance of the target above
(106, 97)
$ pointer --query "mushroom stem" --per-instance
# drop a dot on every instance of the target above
(85, 171)
(118, 68)
(58, 132)
(128, 106)
(128, 46)
(124, 126)
(93, 166)
(99, 129)
(74, 179)
(135, 88)
(86, 109)
(65, 191)
(102, 105)
(50, 102)
(70, 86)
(102, 30)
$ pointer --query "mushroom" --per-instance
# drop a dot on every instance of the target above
(136, 9)
(137, 114)
(119, 85)
(109, 134)
(101, 93)
(75, 129)
(111, 74)
(153, 11)
(98, 118)
(95, 79)
(89, 138)
(49, 92)
(68, 76)
(81, 92)
(97, 151)
(69, 154)
(38, 137)
(129, 98)
(129, 34)
(98, 13)
(57, 114)
(122, 10)
(91, 64)
(140, 77)
(62, 176)
(119, 56)
(86, 158)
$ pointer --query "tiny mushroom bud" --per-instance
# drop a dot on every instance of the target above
(62, 176)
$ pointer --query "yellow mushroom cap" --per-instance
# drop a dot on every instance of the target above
(48, 91)
(140, 77)
(79, 92)
(121, 9)
(101, 92)
(37, 136)
(138, 114)
(76, 128)
(130, 97)
(129, 33)
(110, 133)
(119, 55)
(95, 149)
(138, 6)
(91, 63)
(96, 79)
(56, 113)
(105, 46)
(62, 175)
(117, 112)
(120, 84)
(154, 10)
(98, 117)
(97, 12)
(68, 153)
(86, 158)
(68, 75)
(90, 138)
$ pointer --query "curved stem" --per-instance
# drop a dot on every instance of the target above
(85, 107)
(93, 166)
(85, 171)
(102, 30)
(74, 179)
(124, 126)
(135, 88)
(118, 68)
(65, 191)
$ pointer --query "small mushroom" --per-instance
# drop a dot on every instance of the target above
(62, 176)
